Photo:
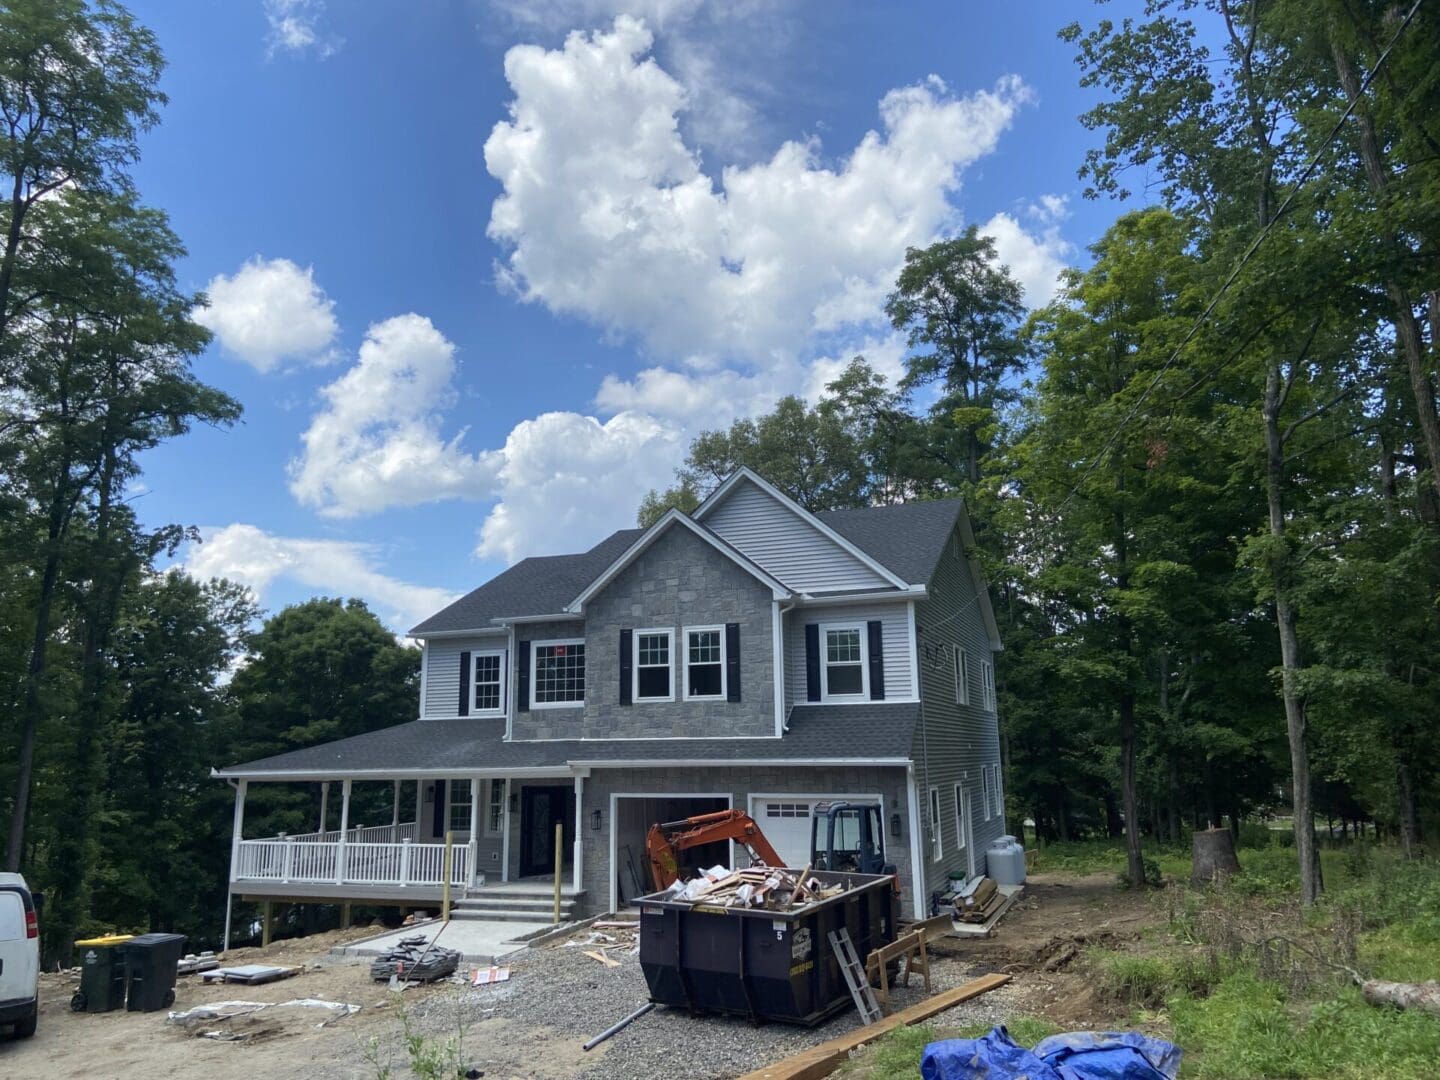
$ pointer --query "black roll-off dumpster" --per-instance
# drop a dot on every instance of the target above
(762, 964)
(151, 963)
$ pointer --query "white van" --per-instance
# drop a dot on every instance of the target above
(19, 956)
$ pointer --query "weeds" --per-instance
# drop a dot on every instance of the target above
(430, 1057)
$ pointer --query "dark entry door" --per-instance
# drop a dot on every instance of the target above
(541, 809)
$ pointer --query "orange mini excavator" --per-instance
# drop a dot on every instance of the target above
(666, 840)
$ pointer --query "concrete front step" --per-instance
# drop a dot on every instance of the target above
(511, 906)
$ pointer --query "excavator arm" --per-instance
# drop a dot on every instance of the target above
(666, 840)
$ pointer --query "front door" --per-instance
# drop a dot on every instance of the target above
(541, 809)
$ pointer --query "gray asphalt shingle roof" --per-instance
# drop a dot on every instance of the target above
(907, 538)
(873, 731)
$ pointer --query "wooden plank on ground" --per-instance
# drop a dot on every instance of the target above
(820, 1061)
(593, 955)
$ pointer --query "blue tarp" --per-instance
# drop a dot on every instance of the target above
(1077, 1055)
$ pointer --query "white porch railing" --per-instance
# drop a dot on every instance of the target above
(318, 862)
(375, 834)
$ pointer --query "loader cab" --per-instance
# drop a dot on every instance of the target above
(849, 837)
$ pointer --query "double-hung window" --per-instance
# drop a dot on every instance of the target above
(962, 676)
(557, 674)
(487, 682)
(843, 666)
(988, 791)
(704, 662)
(937, 844)
(495, 808)
(987, 676)
(999, 794)
(461, 795)
(653, 667)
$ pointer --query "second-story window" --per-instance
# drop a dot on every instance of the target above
(652, 666)
(844, 661)
(489, 682)
(558, 673)
(705, 662)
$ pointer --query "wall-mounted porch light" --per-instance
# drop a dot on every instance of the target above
(514, 801)
(895, 826)
(595, 820)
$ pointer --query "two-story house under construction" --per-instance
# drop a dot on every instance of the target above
(751, 654)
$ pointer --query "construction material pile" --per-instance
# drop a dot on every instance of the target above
(973, 901)
(412, 961)
(766, 887)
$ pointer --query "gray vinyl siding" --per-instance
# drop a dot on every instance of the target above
(442, 672)
(895, 635)
(487, 848)
(954, 743)
(792, 549)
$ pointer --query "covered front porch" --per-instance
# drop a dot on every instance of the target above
(480, 834)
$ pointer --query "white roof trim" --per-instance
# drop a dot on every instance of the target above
(672, 517)
(718, 495)
(436, 635)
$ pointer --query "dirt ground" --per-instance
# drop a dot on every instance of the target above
(1038, 942)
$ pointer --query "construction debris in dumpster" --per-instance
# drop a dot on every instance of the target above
(772, 888)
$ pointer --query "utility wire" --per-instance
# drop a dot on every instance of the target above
(1304, 178)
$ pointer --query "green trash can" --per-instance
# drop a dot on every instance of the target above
(102, 974)
(151, 962)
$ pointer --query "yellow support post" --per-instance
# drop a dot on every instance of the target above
(265, 925)
(445, 874)
(559, 865)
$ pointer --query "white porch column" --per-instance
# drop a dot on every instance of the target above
(238, 826)
(579, 822)
(419, 805)
(324, 804)
(505, 836)
(477, 789)
(395, 814)
(344, 827)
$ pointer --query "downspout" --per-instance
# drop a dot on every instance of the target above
(782, 717)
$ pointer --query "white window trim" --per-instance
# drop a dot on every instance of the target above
(492, 786)
(474, 667)
(961, 839)
(987, 679)
(668, 634)
(937, 829)
(450, 803)
(535, 647)
(960, 660)
(724, 664)
(988, 789)
(864, 694)
(999, 795)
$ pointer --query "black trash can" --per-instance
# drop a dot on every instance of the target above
(102, 974)
(151, 962)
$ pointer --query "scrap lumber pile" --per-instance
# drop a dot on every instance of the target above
(415, 961)
(973, 901)
(770, 888)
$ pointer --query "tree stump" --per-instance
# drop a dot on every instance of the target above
(1212, 857)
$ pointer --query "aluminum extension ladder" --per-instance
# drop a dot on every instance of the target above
(854, 973)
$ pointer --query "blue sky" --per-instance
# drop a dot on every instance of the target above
(480, 268)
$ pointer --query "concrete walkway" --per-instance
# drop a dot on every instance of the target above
(480, 942)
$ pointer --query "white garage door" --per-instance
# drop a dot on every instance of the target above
(785, 821)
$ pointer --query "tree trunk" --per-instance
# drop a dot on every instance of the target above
(1409, 815)
(1212, 857)
(1134, 860)
(1407, 327)
(1422, 996)
(1295, 720)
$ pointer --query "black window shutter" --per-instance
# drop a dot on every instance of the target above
(812, 661)
(627, 645)
(522, 680)
(877, 660)
(439, 808)
(464, 709)
(732, 661)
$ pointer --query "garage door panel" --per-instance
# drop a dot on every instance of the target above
(785, 821)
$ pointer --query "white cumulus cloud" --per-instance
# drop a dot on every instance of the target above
(258, 559)
(270, 311)
(377, 441)
(1035, 258)
(607, 214)
(298, 26)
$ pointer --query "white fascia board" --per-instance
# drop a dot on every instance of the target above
(981, 586)
(435, 635)
(718, 496)
(721, 763)
(506, 621)
(778, 589)
(308, 775)
(914, 592)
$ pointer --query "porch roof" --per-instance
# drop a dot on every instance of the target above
(875, 733)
